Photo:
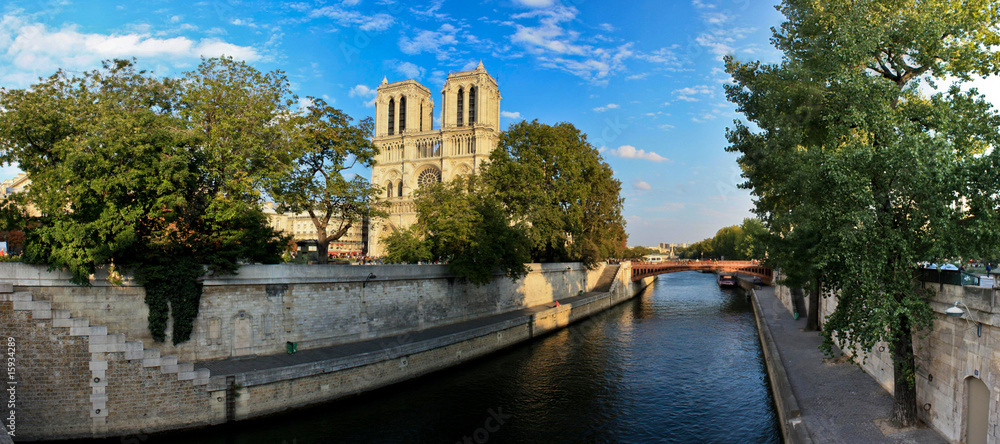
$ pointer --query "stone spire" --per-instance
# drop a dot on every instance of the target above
(385, 80)
(480, 67)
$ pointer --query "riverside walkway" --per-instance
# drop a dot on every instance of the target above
(838, 402)
(344, 353)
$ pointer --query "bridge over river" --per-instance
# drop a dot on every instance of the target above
(746, 268)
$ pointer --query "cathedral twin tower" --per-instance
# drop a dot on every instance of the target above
(413, 153)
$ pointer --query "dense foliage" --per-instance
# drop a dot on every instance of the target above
(457, 225)
(329, 145)
(857, 173)
(736, 242)
(553, 180)
(546, 195)
(136, 172)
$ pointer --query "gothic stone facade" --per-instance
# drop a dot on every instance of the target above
(413, 153)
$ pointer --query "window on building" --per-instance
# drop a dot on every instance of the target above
(402, 114)
(388, 189)
(429, 176)
(472, 105)
(392, 116)
(461, 100)
(399, 190)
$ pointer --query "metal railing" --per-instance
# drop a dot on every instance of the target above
(949, 277)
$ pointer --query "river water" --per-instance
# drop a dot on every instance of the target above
(679, 363)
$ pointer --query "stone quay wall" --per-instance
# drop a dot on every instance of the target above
(88, 368)
(264, 306)
(953, 352)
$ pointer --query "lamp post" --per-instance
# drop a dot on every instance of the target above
(957, 312)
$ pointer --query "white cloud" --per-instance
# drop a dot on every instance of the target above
(666, 58)
(641, 185)
(666, 127)
(535, 3)
(688, 94)
(304, 102)
(364, 92)
(33, 49)
(440, 42)
(704, 117)
(410, 70)
(241, 22)
(510, 115)
(557, 46)
(630, 152)
(721, 40)
(347, 17)
(604, 108)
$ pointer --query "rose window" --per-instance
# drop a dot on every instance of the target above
(429, 176)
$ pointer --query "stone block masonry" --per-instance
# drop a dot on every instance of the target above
(87, 368)
(955, 353)
(257, 311)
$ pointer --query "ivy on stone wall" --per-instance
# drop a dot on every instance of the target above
(172, 289)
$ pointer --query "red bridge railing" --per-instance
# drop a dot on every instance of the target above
(749, 268)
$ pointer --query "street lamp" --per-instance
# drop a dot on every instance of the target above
(370, 277)
(957, 312)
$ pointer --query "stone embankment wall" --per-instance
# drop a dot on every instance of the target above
(948, 355)
(257, 311)
(88, 368)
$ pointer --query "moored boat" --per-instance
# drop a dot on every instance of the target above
(726, 280)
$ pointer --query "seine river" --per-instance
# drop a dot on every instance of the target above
(680, 363)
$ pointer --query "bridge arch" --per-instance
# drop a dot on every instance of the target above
(749, 268)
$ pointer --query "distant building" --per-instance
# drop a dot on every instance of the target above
(17, 185)
(413, 153)
(300, 226)
(670, 249)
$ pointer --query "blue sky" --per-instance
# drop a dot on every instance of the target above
(642, 78)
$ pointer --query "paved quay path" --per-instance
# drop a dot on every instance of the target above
(838, 402)
(380, 345)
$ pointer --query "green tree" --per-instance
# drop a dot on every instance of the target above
(553, 180)
(330, 145)
(851, 159)
(636, 252)
(241, 117)
(458, 224)
(753, 243)
(726, 242)
(118, 179)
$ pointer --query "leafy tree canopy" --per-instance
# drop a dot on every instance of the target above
(124, 173)
(457, 225)
(328, 145)
(553, 180)
(857, 174)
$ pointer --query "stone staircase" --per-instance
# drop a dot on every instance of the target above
(607, 278)
(101, 343)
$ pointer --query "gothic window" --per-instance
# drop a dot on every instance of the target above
(421, 115)
(388, 189)
(461, 100)
(402, 114)
(472, 105)
(429, 176)
(399, 191)
(392, 116)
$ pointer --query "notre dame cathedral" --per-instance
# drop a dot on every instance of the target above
(413, 153)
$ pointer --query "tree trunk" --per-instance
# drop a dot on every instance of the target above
(904, 407)
(812, 318)
(322, 249)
